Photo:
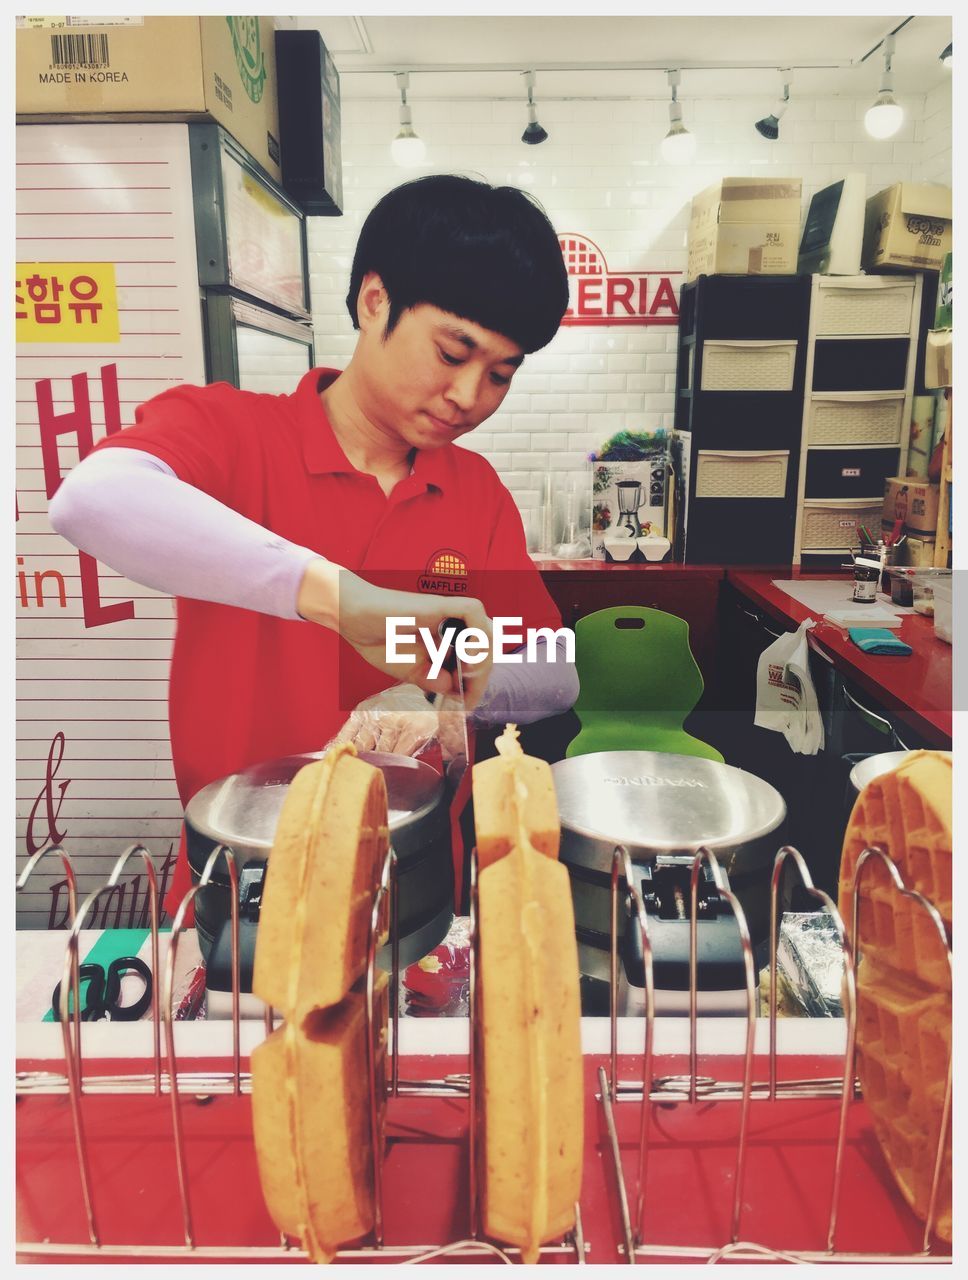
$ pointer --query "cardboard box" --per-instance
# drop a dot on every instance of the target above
(908, 226)
(153, 69)
(938, 358)
(913, 501)
(745, 226)
(942, 316)
(918, 550)
(833, 234)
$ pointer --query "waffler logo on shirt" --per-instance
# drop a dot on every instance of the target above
(600, 296)
(446, 572)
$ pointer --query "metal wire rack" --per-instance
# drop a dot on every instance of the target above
(166, 1078)
(693, 1089)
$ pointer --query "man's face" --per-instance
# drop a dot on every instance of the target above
(437, 375)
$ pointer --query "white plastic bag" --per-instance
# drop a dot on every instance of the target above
(786, 700)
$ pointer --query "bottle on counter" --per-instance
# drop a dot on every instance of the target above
(866, 581)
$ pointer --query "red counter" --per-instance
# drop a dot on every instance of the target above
(916, 689)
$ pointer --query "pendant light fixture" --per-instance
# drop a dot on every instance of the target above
(679, 145)
(886, 116)
(534, 133)
(945, 56)
(406, 148)
(769, 126)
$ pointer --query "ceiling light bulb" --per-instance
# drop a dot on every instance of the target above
(407, 149)
(533, 133)
(769, 126)
(885, 117)
(679, 145)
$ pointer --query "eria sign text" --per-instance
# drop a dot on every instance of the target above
(599, 296)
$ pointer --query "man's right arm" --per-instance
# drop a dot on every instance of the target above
(129, 509)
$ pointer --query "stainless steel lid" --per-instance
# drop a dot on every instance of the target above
(242, 810)
(658, 803)
(865, 771)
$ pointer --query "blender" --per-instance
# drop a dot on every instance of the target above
(629, 501)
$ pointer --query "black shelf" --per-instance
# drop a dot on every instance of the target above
(729, 308)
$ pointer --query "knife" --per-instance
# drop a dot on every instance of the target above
(453, 664)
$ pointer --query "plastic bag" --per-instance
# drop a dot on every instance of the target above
(786, 700)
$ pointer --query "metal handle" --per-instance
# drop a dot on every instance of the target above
(872, 715)
(755, 617)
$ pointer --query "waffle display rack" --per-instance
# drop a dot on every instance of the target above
(638, 1240)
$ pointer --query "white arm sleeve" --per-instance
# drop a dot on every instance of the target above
(129, 510)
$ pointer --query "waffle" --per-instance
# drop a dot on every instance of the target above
(903, 976)
(327, 855)
(530, 1014)
(311, 1122)
(310, 1087)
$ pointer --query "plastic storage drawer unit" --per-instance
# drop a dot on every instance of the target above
(849, 473)
(831, 524)
(859, 417)
(865, 308)
(748, 366)
(734, 473)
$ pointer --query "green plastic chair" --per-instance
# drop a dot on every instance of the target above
(639, 681)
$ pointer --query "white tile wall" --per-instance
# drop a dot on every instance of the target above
(600, 175)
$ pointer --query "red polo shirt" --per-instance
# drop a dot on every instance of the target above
(247, 687)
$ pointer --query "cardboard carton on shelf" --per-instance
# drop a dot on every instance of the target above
(938, 358)
(745, 226)
(908, 226)
(913, 501)
(153, 69)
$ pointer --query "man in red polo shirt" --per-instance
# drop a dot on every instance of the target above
(290, 527)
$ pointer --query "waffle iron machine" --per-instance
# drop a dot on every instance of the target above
(242, 811)
(663, 807)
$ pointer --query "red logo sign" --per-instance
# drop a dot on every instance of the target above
(600, 296)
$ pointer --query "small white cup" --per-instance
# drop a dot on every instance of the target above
(653, 547)
(620, 548)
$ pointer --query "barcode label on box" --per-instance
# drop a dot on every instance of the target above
(90, 51)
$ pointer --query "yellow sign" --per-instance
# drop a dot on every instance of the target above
(67, 302)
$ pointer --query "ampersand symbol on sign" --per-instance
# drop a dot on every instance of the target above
(47, 795)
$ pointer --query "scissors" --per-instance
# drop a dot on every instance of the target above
(102, 998)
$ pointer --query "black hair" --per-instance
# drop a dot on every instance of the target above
(488, 254)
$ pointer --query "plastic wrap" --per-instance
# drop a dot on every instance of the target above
(810, 963)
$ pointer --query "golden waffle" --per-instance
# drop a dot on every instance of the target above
(529, 1008)
(310, 1085)
(903, 977)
